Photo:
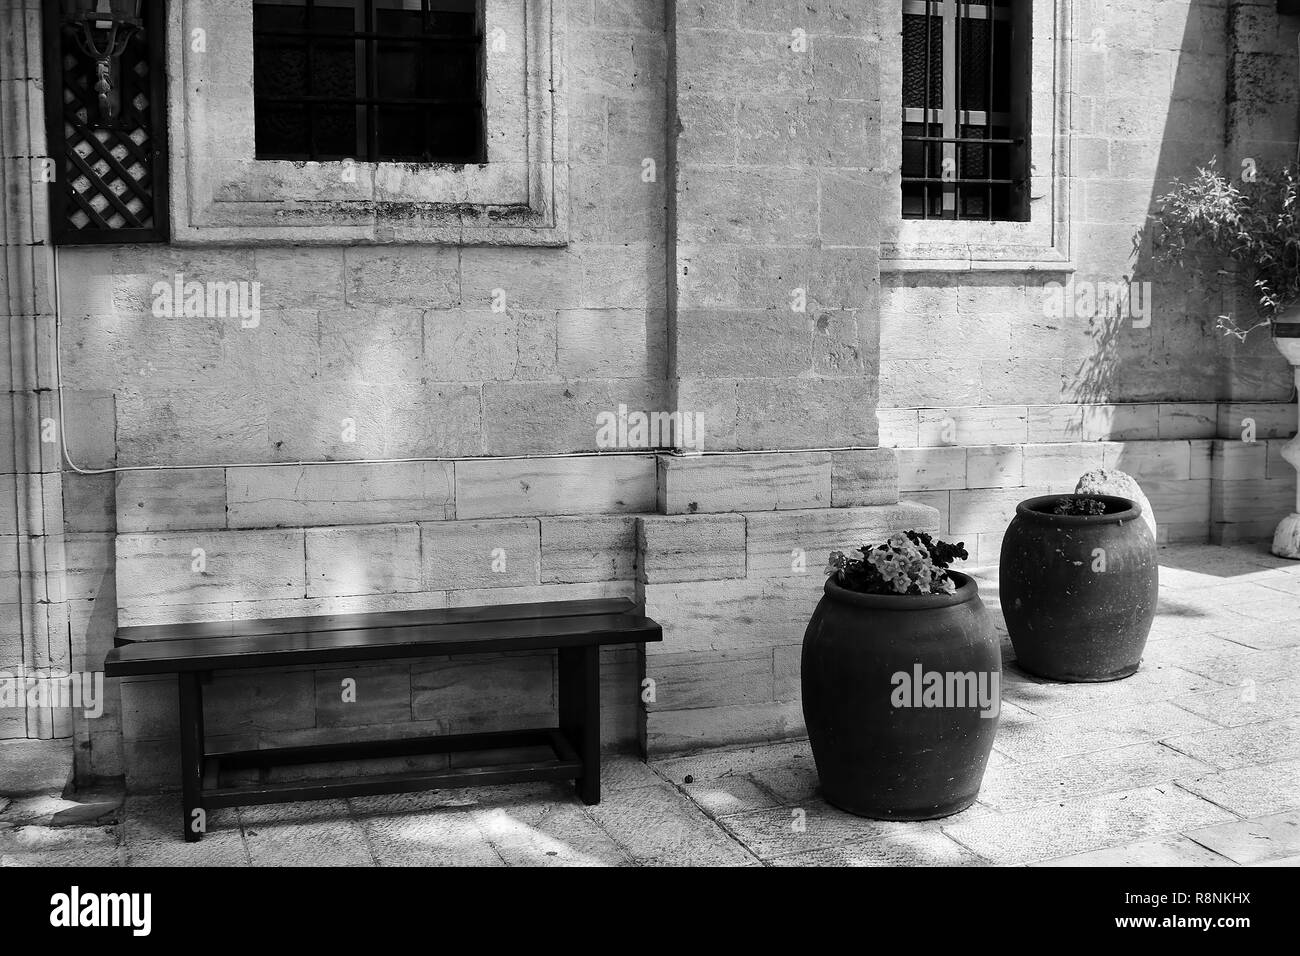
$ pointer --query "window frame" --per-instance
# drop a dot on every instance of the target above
(1042, 242)
(223, 195)
(950, 116)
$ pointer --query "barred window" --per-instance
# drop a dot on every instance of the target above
(966, 110)
(374, 80)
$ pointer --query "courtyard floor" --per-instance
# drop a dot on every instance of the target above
(1195, 760)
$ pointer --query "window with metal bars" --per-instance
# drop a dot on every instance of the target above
(966, 110)
(373, 80)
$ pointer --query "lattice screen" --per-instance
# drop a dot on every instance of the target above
(111, 178)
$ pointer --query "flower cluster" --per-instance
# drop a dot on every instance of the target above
(910, 562)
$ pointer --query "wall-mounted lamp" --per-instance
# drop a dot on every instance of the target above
(103, 29)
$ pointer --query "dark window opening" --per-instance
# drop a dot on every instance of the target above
(374, 80)
(966, 110)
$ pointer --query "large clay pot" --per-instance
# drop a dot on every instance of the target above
(1079, 591)
(878, 754)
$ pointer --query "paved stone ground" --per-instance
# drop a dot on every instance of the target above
(1195, 760)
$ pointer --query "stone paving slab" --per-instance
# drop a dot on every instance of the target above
(1015, 786)
(660, 826)
(1253, 791)
(1161, 851)
(448, 837)
(1247, 703)
(1249, 842)
(818, 826)
(1264, 634)
(554, 835)
(1088, 823)
(1262, 667)
(1049, 738)
(1231, 747)
(1154, 682)
(916, 848)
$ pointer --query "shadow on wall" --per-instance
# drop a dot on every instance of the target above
(1150, 93)
(1233, 98)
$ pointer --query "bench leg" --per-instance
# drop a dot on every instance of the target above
(580, 714)
(193, 822)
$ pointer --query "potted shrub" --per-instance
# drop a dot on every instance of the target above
(1078, 580)
(1208, 221)
(901, 676)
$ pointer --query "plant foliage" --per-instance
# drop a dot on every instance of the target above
(910, 562)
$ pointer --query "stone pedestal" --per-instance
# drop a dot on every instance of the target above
(1286, 539)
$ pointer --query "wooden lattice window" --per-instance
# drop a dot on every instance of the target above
(376, 80)
(109, 177)
(966, 69)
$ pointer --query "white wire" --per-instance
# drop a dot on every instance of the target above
(617, 453)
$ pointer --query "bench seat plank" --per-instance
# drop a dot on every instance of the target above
(377, 643)
(359, 621)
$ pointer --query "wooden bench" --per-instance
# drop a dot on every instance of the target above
(575, 629)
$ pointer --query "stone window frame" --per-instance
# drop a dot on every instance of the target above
(1042, 243)
(223, 195)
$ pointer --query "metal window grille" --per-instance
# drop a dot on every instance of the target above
(966, 109)
(376, 80)
(108, 178)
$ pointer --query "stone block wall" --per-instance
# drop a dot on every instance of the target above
(1212, 471)
(222, 545)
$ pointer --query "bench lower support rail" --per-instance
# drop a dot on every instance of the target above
(575, 746)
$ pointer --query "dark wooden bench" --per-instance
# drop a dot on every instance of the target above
(575, 629)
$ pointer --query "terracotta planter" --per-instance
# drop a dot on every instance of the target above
(881, 751)
(1286, 336)
(1079, 591)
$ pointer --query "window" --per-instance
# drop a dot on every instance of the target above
(108, 173)
(376, 80)
(965, 132)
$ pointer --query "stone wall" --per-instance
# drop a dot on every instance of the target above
(728, 188)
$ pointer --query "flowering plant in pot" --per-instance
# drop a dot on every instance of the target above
(901, 676)
(1209, 220)
(1078, 579)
